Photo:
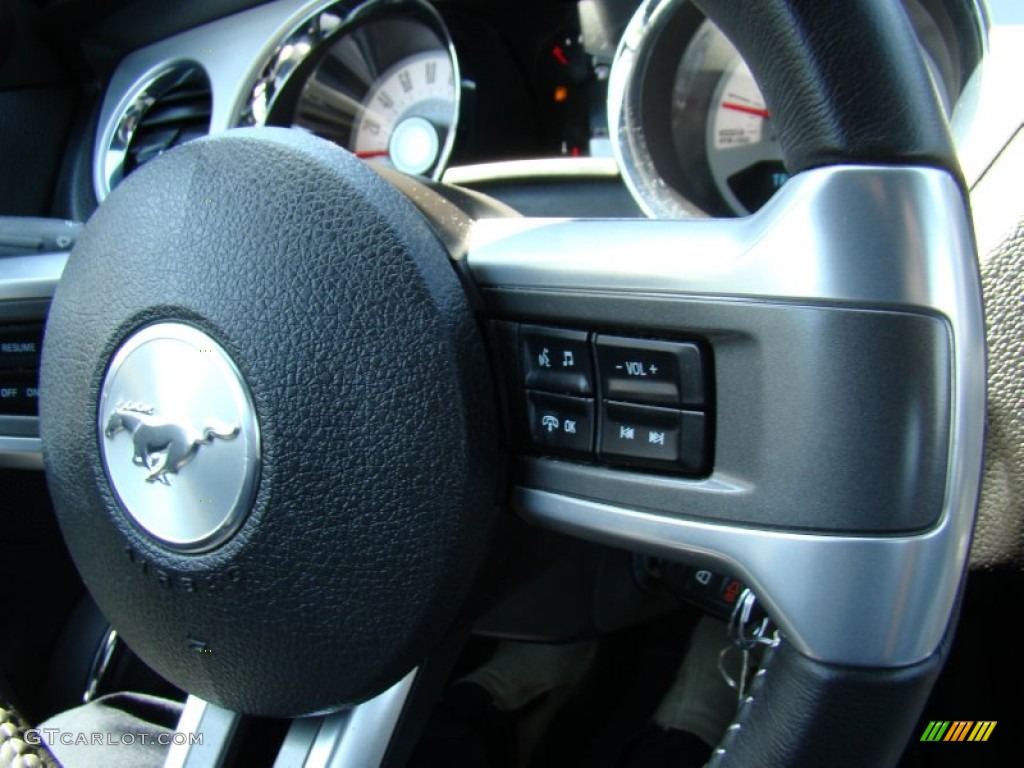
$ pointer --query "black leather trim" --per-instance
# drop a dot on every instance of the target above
(801, 712)
(843, 80)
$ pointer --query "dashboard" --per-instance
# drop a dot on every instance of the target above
(651, 95)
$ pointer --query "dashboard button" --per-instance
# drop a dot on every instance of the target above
(563, 424)
(658, 372)
(20, 347)
(556, 360)
(19, 394)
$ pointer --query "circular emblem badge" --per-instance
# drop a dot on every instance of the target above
(179, 436)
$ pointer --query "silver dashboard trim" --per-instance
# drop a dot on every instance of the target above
(310, 32)
(33, 276)
(542, 168)
(223, 48)
(26, 278)
(21, 452)
(830, 237)
(978, 120)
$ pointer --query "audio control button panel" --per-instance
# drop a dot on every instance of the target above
(613, 399)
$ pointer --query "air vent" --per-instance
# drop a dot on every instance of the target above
(181, 114)
(170, 109)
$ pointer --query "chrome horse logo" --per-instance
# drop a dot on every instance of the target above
(162, 447)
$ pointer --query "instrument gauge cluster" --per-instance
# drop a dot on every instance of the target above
(644, 105)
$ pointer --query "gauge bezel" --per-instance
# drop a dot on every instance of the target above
(109, 163)
(644, 67)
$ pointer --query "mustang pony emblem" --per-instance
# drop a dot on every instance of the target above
(162, 447)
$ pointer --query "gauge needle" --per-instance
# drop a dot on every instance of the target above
(372, 153)
(745, 109)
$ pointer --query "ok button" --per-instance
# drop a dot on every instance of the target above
(562, 424)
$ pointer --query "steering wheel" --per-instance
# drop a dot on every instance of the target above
(272, 388)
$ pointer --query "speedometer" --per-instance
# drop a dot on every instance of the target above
(743, 152)
(739, 112)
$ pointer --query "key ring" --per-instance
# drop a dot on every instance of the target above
(745, 634)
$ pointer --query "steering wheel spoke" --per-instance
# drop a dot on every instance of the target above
(847, 396)
(207, 732)
(358, 735)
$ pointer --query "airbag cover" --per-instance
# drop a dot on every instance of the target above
(344, 317)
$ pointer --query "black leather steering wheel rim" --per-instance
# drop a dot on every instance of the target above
(845, 84)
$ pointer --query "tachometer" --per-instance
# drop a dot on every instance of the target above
(381, 80)
(407, 113)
